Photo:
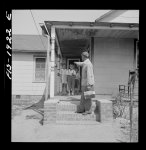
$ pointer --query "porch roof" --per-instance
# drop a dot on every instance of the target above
(75, 36)
(92, 25)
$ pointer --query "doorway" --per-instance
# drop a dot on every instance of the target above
(71, 61)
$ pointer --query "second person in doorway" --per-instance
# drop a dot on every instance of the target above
(63, 74)
(71, 75)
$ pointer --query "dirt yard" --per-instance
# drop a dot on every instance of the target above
(26, 128)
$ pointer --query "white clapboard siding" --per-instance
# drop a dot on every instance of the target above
(22, 75)
(113, 58)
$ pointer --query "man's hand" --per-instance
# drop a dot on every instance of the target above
(79, 63)
(89, 87)
(75, 63)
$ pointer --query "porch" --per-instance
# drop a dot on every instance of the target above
(68, 39)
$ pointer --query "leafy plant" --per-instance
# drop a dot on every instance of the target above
(118, 106)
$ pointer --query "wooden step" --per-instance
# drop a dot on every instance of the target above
(64, 111)
(71, 106)
(72, 116)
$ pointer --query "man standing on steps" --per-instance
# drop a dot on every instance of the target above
(87, 83)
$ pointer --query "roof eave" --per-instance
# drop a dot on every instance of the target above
(90, 25)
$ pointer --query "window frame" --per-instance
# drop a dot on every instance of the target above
(34, 69)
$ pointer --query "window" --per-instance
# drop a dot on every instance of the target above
(40, 69)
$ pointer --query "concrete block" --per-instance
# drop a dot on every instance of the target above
(104, 110)
(50, 111)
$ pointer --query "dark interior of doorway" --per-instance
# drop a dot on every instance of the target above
(71, 60)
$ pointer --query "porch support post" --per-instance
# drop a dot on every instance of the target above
(47, 68)
(58, 63)
(92, 49)
(52, 78)
(57, 42)
(137, 49)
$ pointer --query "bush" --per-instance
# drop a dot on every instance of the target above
(118, 106)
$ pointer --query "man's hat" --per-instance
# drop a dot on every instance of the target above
(85, 53)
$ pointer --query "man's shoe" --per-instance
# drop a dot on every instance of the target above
(79, 112)
(87, 112)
